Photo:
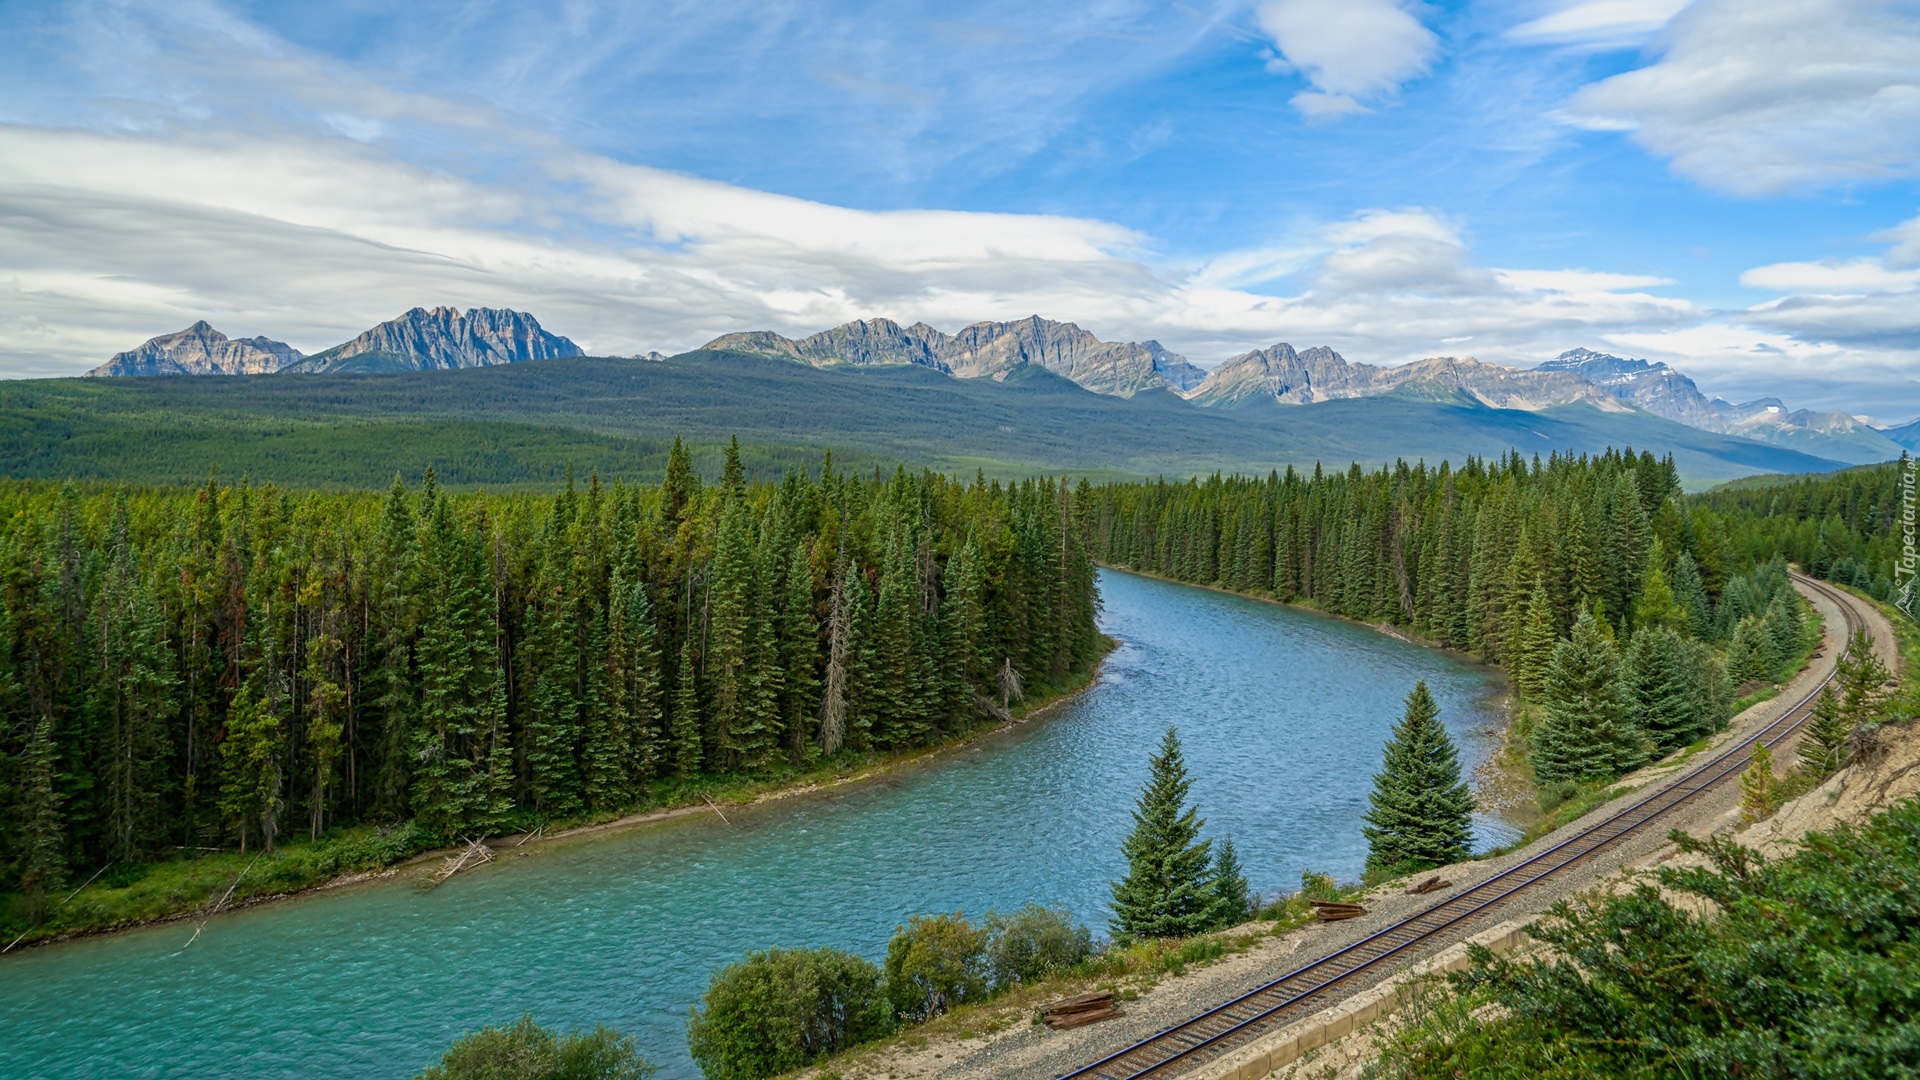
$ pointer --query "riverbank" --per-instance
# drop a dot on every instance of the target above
(212, 883)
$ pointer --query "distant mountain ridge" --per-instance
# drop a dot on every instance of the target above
(983, 350)
(1662, 391)
(423, 339)
(440, 339)
(201, 350)
(444, 338)
(1282, 376)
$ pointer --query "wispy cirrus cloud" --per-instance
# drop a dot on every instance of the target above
(1766, 96)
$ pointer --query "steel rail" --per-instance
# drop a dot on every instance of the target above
(1228, 1026)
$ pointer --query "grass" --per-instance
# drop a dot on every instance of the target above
(129, 894)
(133, 894)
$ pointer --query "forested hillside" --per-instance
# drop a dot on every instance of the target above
(221, 666)
(520, 425)
(1626, 614)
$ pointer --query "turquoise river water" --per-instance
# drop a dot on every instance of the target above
(1282, 713)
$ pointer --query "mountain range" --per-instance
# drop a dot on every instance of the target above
(1255, 382)
(423, 339)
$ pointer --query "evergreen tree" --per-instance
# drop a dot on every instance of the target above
(1421, 811)
(1750, 653)
(1166, 892)
(1656, 606)
(800, 652)
(687, 722)
(1690, 597)
(1823, 744)
(250, 760)
(1532, 649)
(1863, 679)
(833, 704)
(42, 834)
(1658, 690)
(1586, 727)
(1231, 902)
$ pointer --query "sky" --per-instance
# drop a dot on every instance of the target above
(1730, 186)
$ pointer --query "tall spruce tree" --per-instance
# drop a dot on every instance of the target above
(1231, 900)
(1421, 811)
(1658, 690)
(1166, 892)
(1587, 722)
(1823, 746)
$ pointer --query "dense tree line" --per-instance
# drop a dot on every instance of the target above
(201, 668)
(1623, 614)
(1845, 527)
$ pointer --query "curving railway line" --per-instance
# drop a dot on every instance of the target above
(1305, 990)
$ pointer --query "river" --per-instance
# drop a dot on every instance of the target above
(1282, 713)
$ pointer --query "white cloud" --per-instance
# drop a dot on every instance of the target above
(1868, 303)
(1600, 23)
(108, 239)
(1759, 96)
(1349, 50)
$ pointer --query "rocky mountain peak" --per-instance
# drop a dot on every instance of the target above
(201, 350)
(982, 350)
(441, 338)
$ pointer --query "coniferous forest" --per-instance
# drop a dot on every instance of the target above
(192, 669)
(1623, 614)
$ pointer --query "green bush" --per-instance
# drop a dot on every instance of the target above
(1033, 943)
(934, 963)
(527, 1051)
(783, 1008)
(1805, 966)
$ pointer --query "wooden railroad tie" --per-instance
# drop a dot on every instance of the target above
(1329, 911)
(1080, 1010)
(1432, 884)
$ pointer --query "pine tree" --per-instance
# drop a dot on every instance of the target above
(1690, 597)
(1750, 654)
(731, 723)
(1656, 606)
(687, 722)
(1823, 745)
(1166, 890)
(1658, 690)
(250, 759)
(42, 834)
(1532, 649)
(1421, 811)
(833, 704)
(800, 652)
(1586, 724)
(1231, 902)
(1759, 788)
(1862, 678)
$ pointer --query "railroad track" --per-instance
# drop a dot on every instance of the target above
(1303, 991)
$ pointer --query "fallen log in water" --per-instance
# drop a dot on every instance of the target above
(1080, 1010)
(1329, 911)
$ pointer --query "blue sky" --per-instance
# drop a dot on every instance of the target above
(1727, 186)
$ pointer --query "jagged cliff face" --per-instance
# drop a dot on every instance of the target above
(1283, 376)
(201, 350)
(1656, 388)
(443, 338)
(984, 350)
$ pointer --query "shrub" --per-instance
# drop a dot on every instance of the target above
(1740, 967)
(934, 963)
(527, 1051)
(1033, 943)
(784, 1008)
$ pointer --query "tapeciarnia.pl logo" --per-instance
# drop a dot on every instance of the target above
(1905, 566)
